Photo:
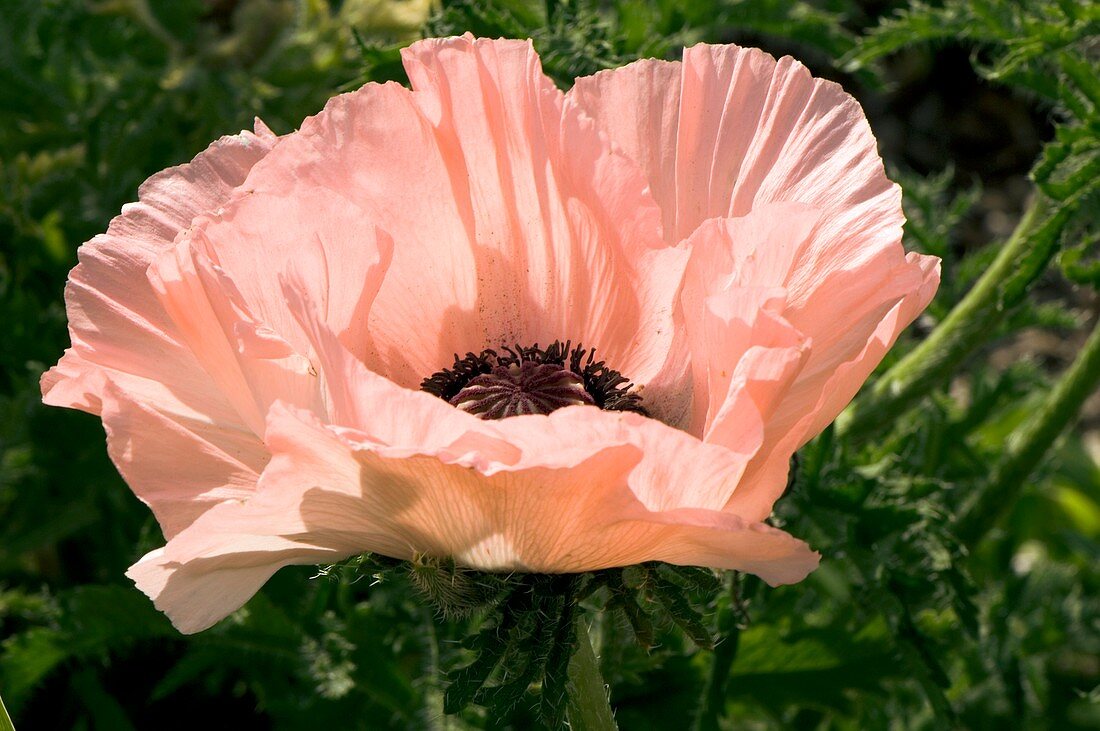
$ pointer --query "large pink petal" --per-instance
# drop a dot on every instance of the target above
(563, 229)
(126, 349)
(826, 393)
(638, 107)
(511, 218)
(821, 337)
(116, 323)
(731, 130)
(747, 130)
(750, 131)
(179, 466)
(326, 495)
(241, 328)
(744, 353)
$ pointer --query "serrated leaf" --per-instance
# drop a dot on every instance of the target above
(27, 659)
(91, 620)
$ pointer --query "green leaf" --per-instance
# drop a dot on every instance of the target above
(819, 666)
(92, 620)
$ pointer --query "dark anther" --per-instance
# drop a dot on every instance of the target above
(518, 380)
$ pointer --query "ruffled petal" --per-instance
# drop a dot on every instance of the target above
(638, 107)
(563, 227)
(179, 466)
(824, 394)
(515, 223)
(748, 130)
(328, 494)
(731, 130)
(559, 225)
(776, 354)
(744, 353)
(238, 324)
(124, 343)
(116, 323)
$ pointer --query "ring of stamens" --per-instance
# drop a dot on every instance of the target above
(517, 380)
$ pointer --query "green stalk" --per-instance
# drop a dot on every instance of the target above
(589, 707)
(1030, 442)
(970, 324)
(5, 719)
(714, 695)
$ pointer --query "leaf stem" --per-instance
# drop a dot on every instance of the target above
(972, 322)
(589, 707)
(1030, 442)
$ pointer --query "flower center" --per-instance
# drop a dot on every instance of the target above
(532, 380)
(525, 388)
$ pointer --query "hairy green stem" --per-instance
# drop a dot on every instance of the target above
(729, 636)
(1030, 442)
(434, 692)
(916, 652)
(972, 322)
(589, 708)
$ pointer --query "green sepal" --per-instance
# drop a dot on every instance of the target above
(529, 632)
(625, 600)
(673, 599)
(457, 592)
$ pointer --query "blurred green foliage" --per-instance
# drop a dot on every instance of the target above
(911, 622)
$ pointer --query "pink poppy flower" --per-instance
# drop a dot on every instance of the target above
(269, 333)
